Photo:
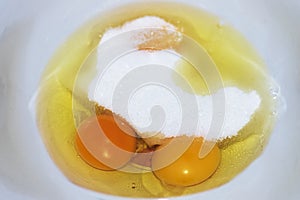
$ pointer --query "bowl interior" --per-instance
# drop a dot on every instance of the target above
(31, 31)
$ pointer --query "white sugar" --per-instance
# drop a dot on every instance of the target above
(140, 87)
(189, 115)
(147, 23)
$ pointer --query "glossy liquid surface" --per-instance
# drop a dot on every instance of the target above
(236, 60)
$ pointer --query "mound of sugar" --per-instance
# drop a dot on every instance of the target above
(140, 25)
(197, 119)
(140, 87)
(130, 89)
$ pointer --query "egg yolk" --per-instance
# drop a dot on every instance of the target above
(105, 142)
(188, 169)
(160, 39)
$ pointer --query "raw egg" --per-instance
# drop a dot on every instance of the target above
(63, 96)
(105, 142)
(188, 169)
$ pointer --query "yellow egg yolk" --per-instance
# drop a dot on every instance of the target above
(188, 169)
(105, 142)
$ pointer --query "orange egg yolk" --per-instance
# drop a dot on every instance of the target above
(188, 169)
(108, 143)
(105, 142)
(160, 39)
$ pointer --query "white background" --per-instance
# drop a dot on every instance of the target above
(31, 30)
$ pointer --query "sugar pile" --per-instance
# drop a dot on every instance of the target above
(144, 29)
(140, 87)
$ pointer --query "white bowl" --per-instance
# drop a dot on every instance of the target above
(31, 30)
